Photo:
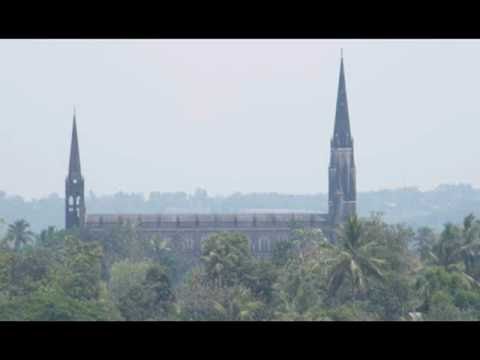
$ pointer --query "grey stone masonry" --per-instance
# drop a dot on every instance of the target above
(342, 193)
(189, 230)
(74, 186)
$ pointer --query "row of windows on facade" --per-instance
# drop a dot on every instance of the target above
(257, 245)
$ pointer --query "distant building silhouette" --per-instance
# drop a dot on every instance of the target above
(342, 194)
(262, 230)
(74, 186)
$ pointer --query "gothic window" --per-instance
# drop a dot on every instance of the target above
(78, 200)
(70, 200)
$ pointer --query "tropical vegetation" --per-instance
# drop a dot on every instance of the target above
(373, 271)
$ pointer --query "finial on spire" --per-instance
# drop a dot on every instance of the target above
(74, 111)
(341, 53)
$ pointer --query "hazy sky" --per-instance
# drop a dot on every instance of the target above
(236, 115)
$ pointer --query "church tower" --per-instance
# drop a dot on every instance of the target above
(74, 186)
(342, 194)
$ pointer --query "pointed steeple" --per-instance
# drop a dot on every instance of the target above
(74, 167)
(342, 198)
(341, 133)
(74, 185)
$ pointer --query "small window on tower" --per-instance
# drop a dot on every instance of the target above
(74, 181)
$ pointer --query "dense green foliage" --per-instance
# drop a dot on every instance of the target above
(373, 271)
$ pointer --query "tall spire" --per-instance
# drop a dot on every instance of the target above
(341, 133)
(342, 193)
(74, 185)
(74, 167)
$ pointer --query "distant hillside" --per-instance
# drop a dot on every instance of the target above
(408, 205)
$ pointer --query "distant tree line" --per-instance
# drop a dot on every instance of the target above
(408, 205)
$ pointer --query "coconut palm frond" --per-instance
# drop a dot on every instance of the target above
(369, 267)
(357, 275)
(336, 278)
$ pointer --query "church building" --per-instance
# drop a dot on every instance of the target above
(262, 230)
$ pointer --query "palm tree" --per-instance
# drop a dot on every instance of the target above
(353, 259)
(457, 245)
(227, 259)
(236, 304)
(445, 253)
(471, 242)
(19, 233)
(47, 236)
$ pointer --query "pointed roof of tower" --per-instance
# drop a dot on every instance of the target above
(74, 167)
(341, 133)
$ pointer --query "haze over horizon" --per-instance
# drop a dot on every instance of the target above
(235, 115)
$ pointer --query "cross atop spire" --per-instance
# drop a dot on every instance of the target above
(74, 167)
(341, 133)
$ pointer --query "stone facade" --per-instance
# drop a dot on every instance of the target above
(188, 230)
(262, 230)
